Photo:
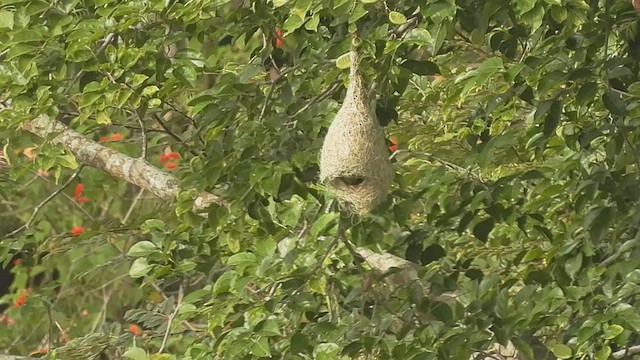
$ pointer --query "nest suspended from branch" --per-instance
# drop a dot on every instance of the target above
(354, 161)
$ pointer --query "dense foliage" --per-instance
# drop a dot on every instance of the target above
(517, 189)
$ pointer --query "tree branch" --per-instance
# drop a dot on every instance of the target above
(133, 170)
(621, 354)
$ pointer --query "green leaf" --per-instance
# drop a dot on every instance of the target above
(139, 268)
(487, 284)
(524, 348)
(358, 12)
(103, 118)
(612, 331)
(292, 23)
(614, 103)
(343, 61)
(135, 353)
(421, 67)
(562, 351)
(150, 90)
(312, 24)
(323, 223)
(6, 19)
(326, 351)
(573, 265)
(142, 248)
(260, 347)
(553, 118)
(243, 258)
(397, 18)
(603, 354)
(559, 13)
(587, 93)
(68, 160)
(482, 229)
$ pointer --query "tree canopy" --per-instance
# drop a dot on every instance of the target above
(160, 193)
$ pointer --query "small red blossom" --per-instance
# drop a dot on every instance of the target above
(82, 199)
(22, 298)
(279, 38)
(20, 301)
(79, 190)
(168, 156)
(77, 230)
(394, 145)
(135, 330)
(16, 262)
(104, 139)
(171, 165)
(117, 137)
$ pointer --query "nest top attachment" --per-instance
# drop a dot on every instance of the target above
(354, 161)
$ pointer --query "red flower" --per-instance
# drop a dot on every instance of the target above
(279, 38)
(20, 301)
(394, 145)
(82, 199)
(77, 230)
(79, 190)
(173, 155)
(171, 165)
(117, 137)
(104, 139)
(164, 158)
(17, 262)
(22, 298)
(135, 329)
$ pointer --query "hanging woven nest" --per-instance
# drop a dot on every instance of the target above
(354, 161)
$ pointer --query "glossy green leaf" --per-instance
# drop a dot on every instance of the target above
(397, 18)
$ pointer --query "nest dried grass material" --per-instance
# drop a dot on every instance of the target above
(354, 161)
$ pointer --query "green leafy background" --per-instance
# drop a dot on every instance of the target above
(516, 182)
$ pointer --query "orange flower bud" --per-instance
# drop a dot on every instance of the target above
(77, 230)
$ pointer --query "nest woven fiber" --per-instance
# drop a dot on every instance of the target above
(354, 161)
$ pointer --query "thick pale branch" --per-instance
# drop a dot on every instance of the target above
(626, 353)
(133, 170)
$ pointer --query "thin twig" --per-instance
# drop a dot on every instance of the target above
(165, 297)
(356, 257)
(71, 200)
(173, 135)
(99, 50)
(170, 320)
(275, 81)
(191, 120)
(105, 43)
(325, 94)
(316, 267)
(166, 129)
(143, 131)
(38, 207)
(133, 204)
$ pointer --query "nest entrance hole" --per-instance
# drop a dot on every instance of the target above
(349, 181)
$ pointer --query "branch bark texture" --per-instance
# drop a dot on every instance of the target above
(136, 171)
